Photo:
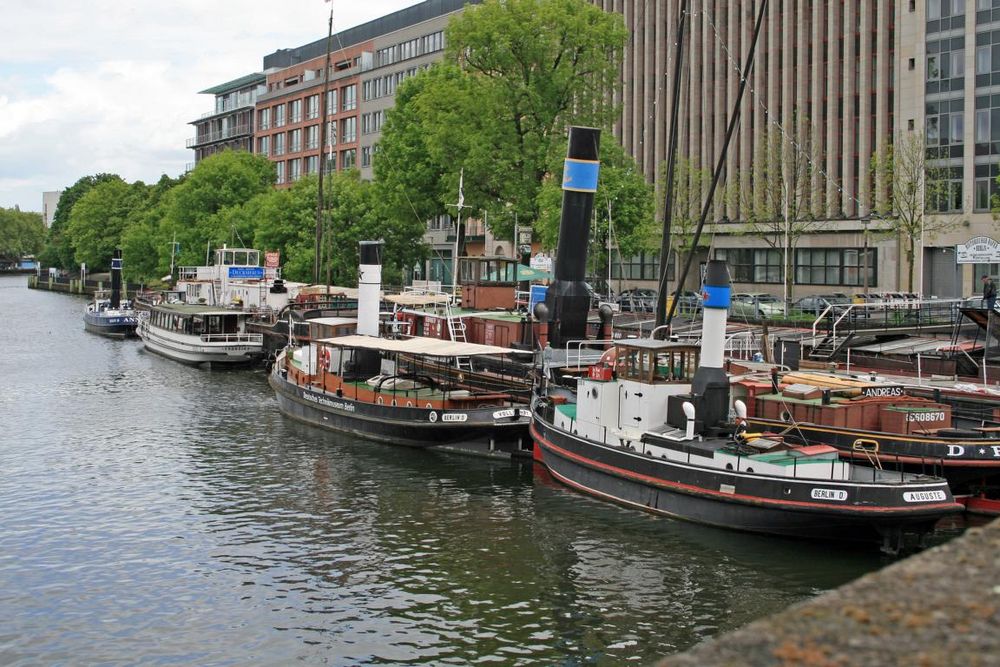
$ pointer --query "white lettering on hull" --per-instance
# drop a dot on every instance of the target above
(829, 494)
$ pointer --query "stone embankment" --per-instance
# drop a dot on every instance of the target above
(938, 607)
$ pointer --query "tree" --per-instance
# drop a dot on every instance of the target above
(517, 72)
(99, 219)
(623, 197)
(21, 233)
(191, 209)
(59, 248)
(778, 206)
(690, 186)
(912, 187)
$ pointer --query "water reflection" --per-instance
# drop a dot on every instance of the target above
(153, 512)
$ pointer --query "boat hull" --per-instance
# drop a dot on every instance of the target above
(195, 353)
(480, 431)
(960, 461)
(747, 502)
(112, 327)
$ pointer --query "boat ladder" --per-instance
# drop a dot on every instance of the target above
(456, 330)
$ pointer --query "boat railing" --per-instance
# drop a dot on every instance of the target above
(839, 320)
(577, 348)
(245, 338)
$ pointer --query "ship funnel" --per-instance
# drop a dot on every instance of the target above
(116, 278)
(568, 299)
(710, 381)
(369, 287)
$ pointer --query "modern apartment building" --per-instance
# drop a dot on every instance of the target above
(833, 81)
(230, 125)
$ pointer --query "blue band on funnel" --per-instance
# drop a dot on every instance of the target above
(715, 297)
(580, 175)
(116, 263)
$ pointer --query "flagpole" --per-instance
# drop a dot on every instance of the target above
(458, 231)
(318, 259)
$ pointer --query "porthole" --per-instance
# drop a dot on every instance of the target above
(749, 469)
(729, 466)
(785, 416)
(394, 402)
(409, 404)
(788, 490)
(379, 400)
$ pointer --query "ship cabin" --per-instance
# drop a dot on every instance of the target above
(652, 361)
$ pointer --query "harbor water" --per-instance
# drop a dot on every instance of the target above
(155, 513)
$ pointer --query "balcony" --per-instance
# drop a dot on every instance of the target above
(219, 135)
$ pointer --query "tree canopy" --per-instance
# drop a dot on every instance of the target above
(21, 233)
(516, 74)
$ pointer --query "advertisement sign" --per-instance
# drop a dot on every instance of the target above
(246, 273)
(541, 262)
(272, 259)
(979, 250)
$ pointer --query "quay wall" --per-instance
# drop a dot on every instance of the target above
(938, 607)
(77, 286)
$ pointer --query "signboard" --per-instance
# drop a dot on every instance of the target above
(541, 262)
(272, 259)
(979, 250)
(537, 295)
(246, 272)
(524, 236)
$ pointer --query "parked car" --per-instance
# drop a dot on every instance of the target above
(756, 306)
(818, 303)
(637, 300)
(688, 301)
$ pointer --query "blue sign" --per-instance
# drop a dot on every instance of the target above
(537, 295)
(246, 272)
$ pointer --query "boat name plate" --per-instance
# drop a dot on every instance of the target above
(924, 496)
(510, 412)
(337, 405)
(829, 494)
(454, 417)
(881, 392)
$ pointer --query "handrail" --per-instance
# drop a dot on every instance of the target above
(851, 310)
(580, 342)
(232, 338)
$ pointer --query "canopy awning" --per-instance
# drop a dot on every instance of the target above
(409, 299)
(427, 347)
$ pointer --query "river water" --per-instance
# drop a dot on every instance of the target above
(156, 513)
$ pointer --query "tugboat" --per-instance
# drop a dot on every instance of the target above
(649, 426)
(111, 317)
(414, 391)
(612, 442)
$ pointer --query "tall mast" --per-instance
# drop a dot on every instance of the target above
(322, 146)
(668, 197)
(733, 118)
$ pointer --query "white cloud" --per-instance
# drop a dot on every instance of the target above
(106, 86)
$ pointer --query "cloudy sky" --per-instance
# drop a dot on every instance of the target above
(110, 86)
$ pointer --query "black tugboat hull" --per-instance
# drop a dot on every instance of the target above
(480, 431)
(960, 461)
(752, 503)
(116, 327)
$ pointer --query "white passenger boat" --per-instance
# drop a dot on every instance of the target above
(196, 334)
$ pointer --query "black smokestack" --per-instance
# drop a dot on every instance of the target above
(568, 300)
(116, 278)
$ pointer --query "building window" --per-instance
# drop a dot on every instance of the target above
(295, 169)
(350, 97)
(644, 266)
(279, 115)
(752, 265)
(331, 102)
(295, 111)
(312, 107)
(279, 169)
(295, 141)
(264, 119)
(349, 129)
(312, 164)
(366, 156)
(279, 143)
(312, 137)
(348, 158)
(264, 146)
(331, 133)
(331, 162)
(366, 123)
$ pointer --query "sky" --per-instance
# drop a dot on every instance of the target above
(95, 86)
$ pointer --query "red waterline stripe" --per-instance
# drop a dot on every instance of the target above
(695, 490)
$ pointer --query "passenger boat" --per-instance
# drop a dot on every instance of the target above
(649, 428)
(869, 419)
(416, 391)
(111, 315)
(196, 334)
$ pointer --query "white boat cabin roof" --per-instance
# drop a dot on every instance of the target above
(417, 299)
(427, 347)
(332, 321)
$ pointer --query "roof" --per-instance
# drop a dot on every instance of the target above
(332, 321)
(428, 347)
(198, 309)
(329, 290)
(235, 84)
(655, 344)
(410, 299)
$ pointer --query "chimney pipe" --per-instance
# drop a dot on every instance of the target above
(369, 287)
(116, 278)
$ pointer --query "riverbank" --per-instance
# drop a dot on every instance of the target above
(938, 607)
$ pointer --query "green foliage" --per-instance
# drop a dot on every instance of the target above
(193, 209)
(21, 233)
(622, 193)
(516, 74)
(99, 218)
(59, 249)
